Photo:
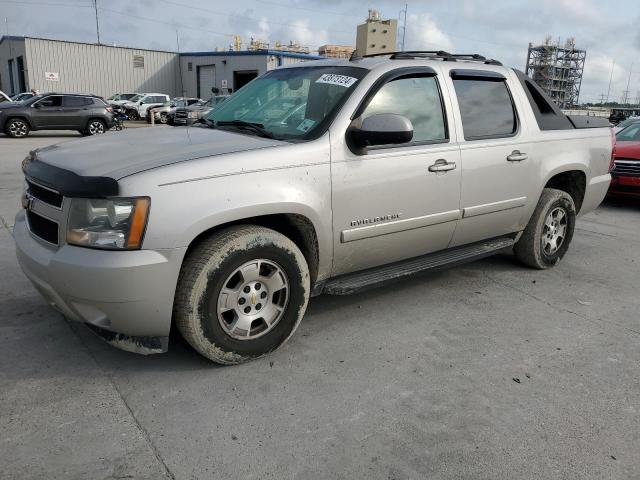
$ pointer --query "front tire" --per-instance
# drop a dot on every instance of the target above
(163, 118)
(133, 115)
(549, 232)
(17, 128)
(241, 294)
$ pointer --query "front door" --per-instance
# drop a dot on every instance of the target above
(498, 164)
(48, 113)
(390, 203)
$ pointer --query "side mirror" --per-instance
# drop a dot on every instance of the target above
(380, 129)
(141, 102)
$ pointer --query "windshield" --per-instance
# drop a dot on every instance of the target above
(291, 103)
(135, 98)
(629, 134)
(628, 122)
(33, 99)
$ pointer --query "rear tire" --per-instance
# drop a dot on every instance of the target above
(17, 128)
(95, 127)
(549, 232)
(241, 294)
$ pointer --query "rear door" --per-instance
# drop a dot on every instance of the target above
(75, 110)
(498, 164)
(48, 113)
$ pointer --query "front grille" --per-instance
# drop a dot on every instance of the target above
(181, 114)
(43, 227)
(44, 194)
(626, 167)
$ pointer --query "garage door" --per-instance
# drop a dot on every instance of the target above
(206, 80)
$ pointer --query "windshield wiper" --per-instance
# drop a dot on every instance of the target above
(254, 127)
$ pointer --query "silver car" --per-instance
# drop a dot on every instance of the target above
(163, 113)
(324, 177)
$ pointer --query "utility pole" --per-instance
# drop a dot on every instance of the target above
(180, 66)
(602, 97)
(626, 92)
(95, 7)
(613, 63)
(404, 24)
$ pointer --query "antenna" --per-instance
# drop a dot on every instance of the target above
(404, 24)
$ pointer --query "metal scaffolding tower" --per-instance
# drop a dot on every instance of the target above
(557, 69)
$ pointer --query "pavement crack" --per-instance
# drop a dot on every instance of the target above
(142, 429)
(6, 225)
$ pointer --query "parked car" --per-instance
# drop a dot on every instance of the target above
(4, 98)
(137, 108)
(21, 97)
(398, 165)
(122, 98)
(88, 114)
(161, 114)
(625, 123)
(191, 114)
(625, 175)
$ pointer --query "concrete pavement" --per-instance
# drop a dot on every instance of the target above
(489, 370)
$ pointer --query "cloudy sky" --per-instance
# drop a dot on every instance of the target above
(500, 29)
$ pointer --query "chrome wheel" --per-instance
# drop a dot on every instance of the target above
(554, 231)
(163, 118)
(253, 299)
(96, 127)
(18, 128)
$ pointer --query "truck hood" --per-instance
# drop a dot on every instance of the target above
(120, 154)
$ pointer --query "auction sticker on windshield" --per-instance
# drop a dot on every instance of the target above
(333, 79)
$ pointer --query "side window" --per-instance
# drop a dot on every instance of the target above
(486, 109)
(52, 101)
(74, 101)
(418, 99)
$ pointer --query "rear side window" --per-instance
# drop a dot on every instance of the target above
(76, 101)
(418, 99)
(486, 109)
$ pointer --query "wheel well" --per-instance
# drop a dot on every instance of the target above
(573, 182)
(297, 228)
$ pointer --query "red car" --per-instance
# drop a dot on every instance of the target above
(625, 176)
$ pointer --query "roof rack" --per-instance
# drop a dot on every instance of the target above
(431, 54)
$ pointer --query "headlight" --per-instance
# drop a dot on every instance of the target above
(193, 114)
(113, 224)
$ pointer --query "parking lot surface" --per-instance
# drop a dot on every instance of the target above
(489, 370)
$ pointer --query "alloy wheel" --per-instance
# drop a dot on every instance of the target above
(18, 128)
(96, 128)
(253, 299)
(554, 231)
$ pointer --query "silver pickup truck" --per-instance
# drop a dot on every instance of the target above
(327, 176)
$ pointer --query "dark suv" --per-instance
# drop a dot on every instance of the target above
(88, 114)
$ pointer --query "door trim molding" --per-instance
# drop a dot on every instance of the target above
(396, 226)
(494, 207)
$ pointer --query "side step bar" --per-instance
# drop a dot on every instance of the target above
(375, 277)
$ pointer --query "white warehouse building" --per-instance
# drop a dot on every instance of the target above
(29, 63)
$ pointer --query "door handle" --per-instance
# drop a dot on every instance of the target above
(442, 165)
(517, 156)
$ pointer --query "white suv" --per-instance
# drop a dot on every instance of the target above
(137, 109)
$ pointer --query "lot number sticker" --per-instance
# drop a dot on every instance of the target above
(340, 80)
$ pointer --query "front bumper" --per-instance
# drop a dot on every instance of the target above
(625, 185)
(126, 296)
